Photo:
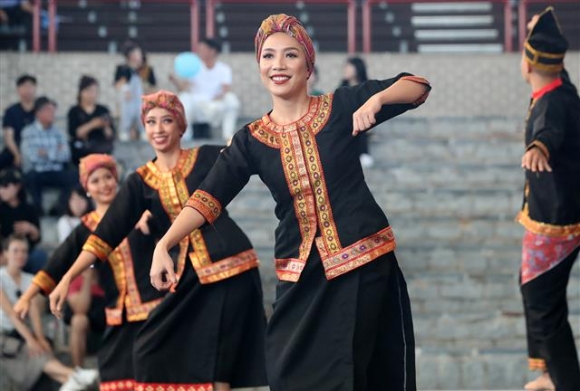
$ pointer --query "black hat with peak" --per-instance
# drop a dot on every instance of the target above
(546, 46)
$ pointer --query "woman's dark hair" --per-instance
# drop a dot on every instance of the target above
(129, 46)
(78, 190)
(13, 175)
(360, 69)
(85, 82)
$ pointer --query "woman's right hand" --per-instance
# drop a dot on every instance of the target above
(162, 268)
(21, 307)
(58, 297)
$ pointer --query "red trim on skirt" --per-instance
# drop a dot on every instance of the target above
(173, 387)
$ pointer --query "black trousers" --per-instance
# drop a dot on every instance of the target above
(549, 334)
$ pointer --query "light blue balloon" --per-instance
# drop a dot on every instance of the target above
(186, 65)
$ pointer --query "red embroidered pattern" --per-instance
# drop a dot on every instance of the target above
(173, 387)
(358, 253)
(206, 204)
(118, 385)
(228, 267)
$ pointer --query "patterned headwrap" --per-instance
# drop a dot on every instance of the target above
(282, 23)
(93, 162)
(168, 101)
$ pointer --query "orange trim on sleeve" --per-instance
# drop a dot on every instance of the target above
(420, 80)
(537, 364)
(206, 204)
(45, 282)
(98, 247)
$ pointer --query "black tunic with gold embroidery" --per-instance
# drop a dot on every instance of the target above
(129, 295)
(552, 199)
(341, 321)
(190, 340)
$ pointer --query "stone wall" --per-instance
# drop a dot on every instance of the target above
(464, 84)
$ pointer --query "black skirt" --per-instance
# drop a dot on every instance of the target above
(116, 357)
(201, 334)
(352, 333)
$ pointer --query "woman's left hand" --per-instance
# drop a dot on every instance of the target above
(364, 117)
(58, 297)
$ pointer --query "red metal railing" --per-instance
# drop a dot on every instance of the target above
(351, 18)
(367, 5)
(52, 12)
(367, 24)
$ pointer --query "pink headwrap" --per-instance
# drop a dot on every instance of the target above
(282, 23)
(168, 101)
(92, 163)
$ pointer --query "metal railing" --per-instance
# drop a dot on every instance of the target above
(352, 5)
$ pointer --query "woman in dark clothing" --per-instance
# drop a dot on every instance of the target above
(355, 72)
(129, 298)
(89, 124)
(209, 332)
(342, 318)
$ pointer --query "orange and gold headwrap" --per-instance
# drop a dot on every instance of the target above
(282, 23)
(93, 162)
(168, 101)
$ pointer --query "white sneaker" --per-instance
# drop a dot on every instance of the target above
(81, 380)
(366, 160)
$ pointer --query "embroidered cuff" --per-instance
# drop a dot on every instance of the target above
(98, 247)
(44, 282)
(541, 146)
(206, 204)
(420, 80)
(537, 364)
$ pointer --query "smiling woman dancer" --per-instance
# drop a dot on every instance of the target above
(209, 333)
(129, 296)
(342, 318)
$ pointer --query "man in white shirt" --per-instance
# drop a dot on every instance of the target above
(207, 97)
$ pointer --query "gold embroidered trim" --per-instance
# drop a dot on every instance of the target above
(537, 364)
(141, 311)
(228, 267)
(296, 172)
(118, 385)
(97, 246)
(209, 207)
(114, 316)
(541, 146)
(44, 281)
(357, 254)
(544, 228)
(200, 256)
(91, 220)
(289, 269)
(315, 171)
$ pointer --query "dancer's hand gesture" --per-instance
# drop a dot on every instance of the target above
(364, 117)
(535, 161)
(22, 306)
(58, 297)
(162, 272)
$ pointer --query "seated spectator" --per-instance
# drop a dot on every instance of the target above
(84, 313)
(147, 75)
(46, 156)
(26, 354)
(130, 87)
(16, 117)
(19, 217)
(78, 205)
(207, 97)
(90, 127)
(16, 12)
